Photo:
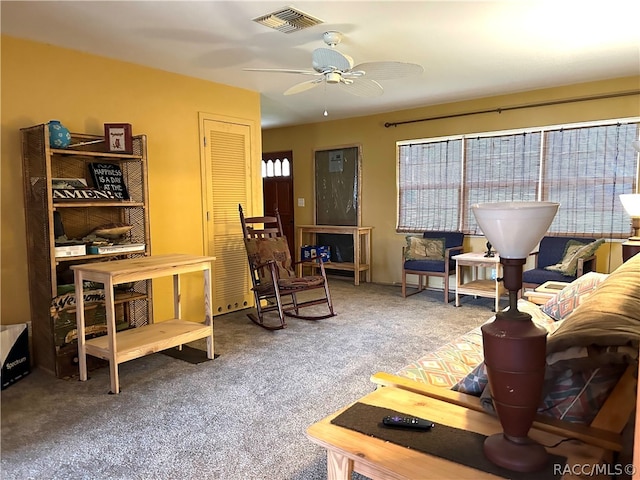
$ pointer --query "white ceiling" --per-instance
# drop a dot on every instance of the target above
(468, 49)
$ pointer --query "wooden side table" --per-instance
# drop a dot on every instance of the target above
(478, 285)
(120, 347)
(349, 451)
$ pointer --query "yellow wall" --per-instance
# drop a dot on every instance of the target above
(378, 203)
(41, 82)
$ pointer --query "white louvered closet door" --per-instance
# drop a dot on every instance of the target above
(228, 182)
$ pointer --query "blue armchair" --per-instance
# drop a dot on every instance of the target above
(425, 268)
(551, 252)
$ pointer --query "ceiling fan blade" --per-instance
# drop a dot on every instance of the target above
(325, 58)
(389, 70)
(281, 70)
(362, 87)
(303, 87)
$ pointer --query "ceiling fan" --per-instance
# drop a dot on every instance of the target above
(334, 68)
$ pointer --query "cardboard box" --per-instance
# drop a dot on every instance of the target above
(309, 251)
(14, 353)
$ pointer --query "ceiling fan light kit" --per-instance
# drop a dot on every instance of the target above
(333, 77)
(332, 38)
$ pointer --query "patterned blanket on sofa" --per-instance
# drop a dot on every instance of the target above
(570, 393)
(452, 362)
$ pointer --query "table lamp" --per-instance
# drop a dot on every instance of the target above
(514, 346)
(631, 203)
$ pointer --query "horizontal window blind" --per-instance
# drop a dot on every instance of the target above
(429, 179)
(586, 170)
(583, 167)
(500, 169)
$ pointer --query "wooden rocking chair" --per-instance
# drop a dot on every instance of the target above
(273, 274)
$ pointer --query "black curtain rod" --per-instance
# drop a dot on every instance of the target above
(517, 107)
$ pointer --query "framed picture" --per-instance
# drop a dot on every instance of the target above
(117, 137)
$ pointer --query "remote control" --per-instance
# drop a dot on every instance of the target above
(403, 421)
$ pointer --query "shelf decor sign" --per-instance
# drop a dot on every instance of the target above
(118, 137)
(108, 177)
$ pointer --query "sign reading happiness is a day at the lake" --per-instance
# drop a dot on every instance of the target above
(108, 177)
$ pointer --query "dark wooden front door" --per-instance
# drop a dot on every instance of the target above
(277, 189)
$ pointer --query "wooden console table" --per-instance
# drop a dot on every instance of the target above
(119, 347)
(361, 249)
(350, 451)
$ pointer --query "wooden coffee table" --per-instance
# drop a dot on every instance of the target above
(349, 451)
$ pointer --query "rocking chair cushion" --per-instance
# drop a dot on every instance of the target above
(300, 282)
(261, 251)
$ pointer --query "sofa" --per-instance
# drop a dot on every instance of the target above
(592, 359)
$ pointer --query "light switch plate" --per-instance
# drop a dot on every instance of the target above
(301, 202)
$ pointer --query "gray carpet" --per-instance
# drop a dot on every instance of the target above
(241, 416)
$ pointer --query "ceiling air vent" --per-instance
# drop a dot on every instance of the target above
(288, 20)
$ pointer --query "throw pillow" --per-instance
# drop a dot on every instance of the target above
(419, 248)
(475, 381)
(570, 249)
(571, 396)
(609, 316)
(578, 396)
(567, 300)
(261, 251)
(574, 251)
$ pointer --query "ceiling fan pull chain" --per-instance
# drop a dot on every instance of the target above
(326, 114)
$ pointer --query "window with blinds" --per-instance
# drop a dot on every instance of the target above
(499, 169)
(585, 170)
(429, 186)
(584, 167)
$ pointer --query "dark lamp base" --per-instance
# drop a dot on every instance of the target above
(521, 455)
(514, 354)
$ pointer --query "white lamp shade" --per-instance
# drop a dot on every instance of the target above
(514, 228)
(631, 203)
